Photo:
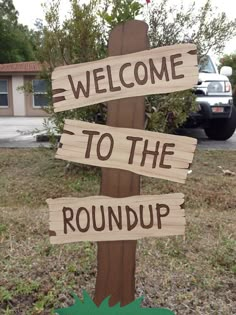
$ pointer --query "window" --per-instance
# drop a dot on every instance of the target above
(206, 65)
(3, 93)
(40, 98)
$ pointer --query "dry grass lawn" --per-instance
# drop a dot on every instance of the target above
(195, 275)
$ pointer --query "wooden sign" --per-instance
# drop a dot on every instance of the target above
(143, 152)
(155, 71)
(101, 218)
(121, 81)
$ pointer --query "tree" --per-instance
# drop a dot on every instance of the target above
(169, 25)
(83, 37)
(8, 11)
(80, 38)
(207, 28)
(120, 11)
(230, 60)
(15, 44)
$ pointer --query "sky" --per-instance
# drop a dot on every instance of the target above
(30, 10)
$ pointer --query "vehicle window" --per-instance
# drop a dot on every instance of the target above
(205, 65)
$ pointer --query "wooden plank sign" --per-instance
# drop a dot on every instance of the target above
(101, 218)
(143, 152)
(120, 213)
(155, 71)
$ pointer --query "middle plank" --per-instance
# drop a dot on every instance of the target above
(143, 152)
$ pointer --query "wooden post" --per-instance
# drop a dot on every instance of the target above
(116, 259)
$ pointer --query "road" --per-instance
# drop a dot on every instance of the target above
(20, 132)
(205, 143)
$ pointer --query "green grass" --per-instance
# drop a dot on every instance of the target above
(191, 275)
(87, 306)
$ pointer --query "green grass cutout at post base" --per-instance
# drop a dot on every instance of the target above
(88, 307)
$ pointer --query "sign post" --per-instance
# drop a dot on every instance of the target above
(124, 151)
(116, 260)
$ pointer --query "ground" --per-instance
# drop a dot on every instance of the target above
(195, 274)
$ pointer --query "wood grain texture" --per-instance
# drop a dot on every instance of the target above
(160, 70)
(143, 152)
(116, 260)
(100, 218)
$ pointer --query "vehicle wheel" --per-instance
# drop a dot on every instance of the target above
(222, 129)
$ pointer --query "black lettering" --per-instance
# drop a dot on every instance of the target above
(80, 86)
(131, 226)
(86, 228)
(107, 156)
(90, 133)
(112, 216)
(174, 65)
(121, 75)
(164, 71)
(94, 211)
(136, 73)
(159, 215)
(132, 151)
(110, 81)
(164, 153)
(150, 225)
(155, 153)
(98, 78)
(67, 219)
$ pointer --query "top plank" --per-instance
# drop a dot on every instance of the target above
(156, 71)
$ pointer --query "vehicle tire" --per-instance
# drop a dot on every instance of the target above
(222, 129)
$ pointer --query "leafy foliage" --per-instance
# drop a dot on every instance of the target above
(120, 11)
(167, 112)
(84, 36)
(205, 26)
(15, 38)
(80, 38)
(169, 25)
(89, 307)
(229, 60)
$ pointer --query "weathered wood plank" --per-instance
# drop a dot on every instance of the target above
(101, 218)
(155, 71)
(142, 152)
(117, 259)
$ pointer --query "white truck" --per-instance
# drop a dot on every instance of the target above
(216, 113)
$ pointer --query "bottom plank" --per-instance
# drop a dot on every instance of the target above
(101, 218)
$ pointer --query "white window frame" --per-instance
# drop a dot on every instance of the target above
(33, 94)
(5, 93)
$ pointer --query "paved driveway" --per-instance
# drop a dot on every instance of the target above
(20, 132)
(205, 143)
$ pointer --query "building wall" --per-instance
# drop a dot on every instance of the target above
(8, 111)
(18, 96)
(20, 103)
